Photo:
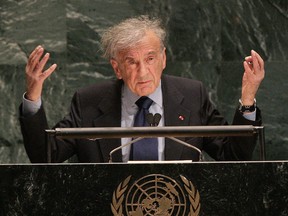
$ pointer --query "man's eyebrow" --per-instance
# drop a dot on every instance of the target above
(128, 58)
(152, 52)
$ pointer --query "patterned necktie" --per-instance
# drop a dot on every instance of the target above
(147, 148)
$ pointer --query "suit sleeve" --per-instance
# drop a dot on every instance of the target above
(228, 148)
(34, 136)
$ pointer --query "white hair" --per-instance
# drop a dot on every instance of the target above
(129, 32)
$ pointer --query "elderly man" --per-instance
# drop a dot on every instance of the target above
(136, 51)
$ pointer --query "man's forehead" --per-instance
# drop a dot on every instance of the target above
(134, 53)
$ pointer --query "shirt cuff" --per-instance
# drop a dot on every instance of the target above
(250, 115)
(29, 107)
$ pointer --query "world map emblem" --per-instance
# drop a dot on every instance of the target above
(155, 194)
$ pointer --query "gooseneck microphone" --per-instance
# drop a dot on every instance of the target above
(153, 120)
(156, 119)
(189, 146)
(150, 119)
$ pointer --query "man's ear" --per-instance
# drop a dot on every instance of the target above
(115, 66)
(164, 58)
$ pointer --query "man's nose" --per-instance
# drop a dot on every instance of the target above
(142, 69)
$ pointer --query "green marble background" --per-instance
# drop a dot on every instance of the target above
(208, 40)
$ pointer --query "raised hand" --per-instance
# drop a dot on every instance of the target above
(35, 76)
(253, 75)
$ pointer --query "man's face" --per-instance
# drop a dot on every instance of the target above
(141, 66)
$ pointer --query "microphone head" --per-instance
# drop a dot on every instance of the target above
(149, 118)
(157, 118)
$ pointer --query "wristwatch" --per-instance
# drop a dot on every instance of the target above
(245, 108)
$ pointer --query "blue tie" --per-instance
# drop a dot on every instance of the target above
(147, 148)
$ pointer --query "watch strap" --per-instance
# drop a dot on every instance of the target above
(247, 108)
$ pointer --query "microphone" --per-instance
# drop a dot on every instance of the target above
(153, 120)
(156, 119)
(150, 119)
(189, 146)
(123, 146)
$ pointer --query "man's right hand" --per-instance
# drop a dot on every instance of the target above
(35, 76)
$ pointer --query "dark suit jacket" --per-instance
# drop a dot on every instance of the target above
(100, 106)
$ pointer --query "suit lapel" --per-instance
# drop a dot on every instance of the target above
(175, 114)
(110, 108)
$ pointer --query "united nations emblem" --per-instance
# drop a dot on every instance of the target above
(157, 195)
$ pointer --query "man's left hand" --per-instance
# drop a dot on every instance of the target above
(253, 75)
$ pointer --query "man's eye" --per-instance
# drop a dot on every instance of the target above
(131, 62)
(150, 60)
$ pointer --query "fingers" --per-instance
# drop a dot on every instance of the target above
(35, 63)
(248, 64)
(49, 71)
(248, 59)
(255, 62)
(35, 76)
(40, 66)
(256, 65)
(34, 51)
(247, 67)
(259, 66)
(257, 57)
(34, 59)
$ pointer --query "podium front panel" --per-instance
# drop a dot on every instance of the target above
(214, 188)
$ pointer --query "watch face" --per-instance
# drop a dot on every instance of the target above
(247, 108)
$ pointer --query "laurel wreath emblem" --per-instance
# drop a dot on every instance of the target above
(194, 197)
(118, 197)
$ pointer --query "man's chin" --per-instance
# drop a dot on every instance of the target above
(145, 91)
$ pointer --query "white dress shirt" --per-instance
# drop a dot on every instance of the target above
(129, 110)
